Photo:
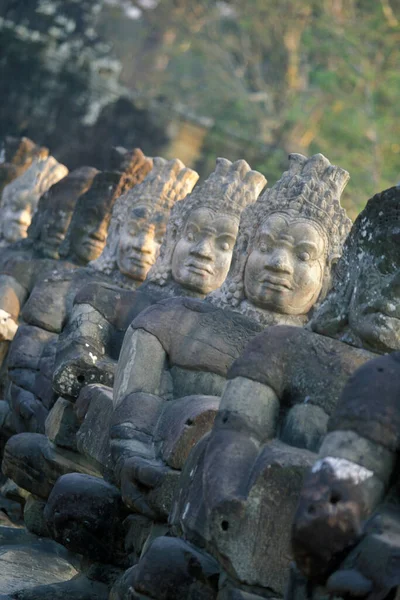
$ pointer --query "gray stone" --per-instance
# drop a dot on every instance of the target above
(86, 515)
(94, 408)
(62, 424)
(304, 426)
(170, 569)
(253, 532)
(35, 464)
(32, 562)
(33, 516)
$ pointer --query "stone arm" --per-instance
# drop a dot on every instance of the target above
(246, 420)
(83, 352)
(357, 461)
(142, 385)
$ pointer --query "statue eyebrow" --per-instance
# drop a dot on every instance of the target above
(307, 244)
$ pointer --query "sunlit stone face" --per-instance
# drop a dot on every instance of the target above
(374, 312)
(203, 254)
(16, 217)
(90, 233)
(285, 269)
(139, 243)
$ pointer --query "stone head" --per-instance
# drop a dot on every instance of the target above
(140, 217)
(363, 308)
(197, 250)
(16, 156)
(288, 242)
(52, 218)
(20, 197)
(87, 232)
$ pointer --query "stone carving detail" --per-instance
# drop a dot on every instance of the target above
(16, 156)
(87, 233)
(346, 530)
(367, 313)
(286, 385)
(51, 221)
(21, 196)
(139, 219)
(195, 255)
(302, 214)
(226, 192)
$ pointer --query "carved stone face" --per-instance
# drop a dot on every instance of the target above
(53, 230)
(139, 243)
(285, 269)
(202, 256)
(16, 217)
(90, 233)
(374, 312)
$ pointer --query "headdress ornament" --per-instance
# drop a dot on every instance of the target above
(228, 190)
(167, 182)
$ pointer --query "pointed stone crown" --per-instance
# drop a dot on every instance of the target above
(312, 187)
(133, 163)
(228, 190)
(63, 195)
(34, 182)
(167, 182)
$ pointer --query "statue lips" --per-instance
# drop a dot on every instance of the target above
(138, 259)
(279, 284)
(93, 243)
(199, 267)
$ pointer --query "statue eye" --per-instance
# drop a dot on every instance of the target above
(225, 246)
(263, 247)
(304, 256)
(190, 236)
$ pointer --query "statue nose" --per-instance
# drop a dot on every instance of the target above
(142, 243)
(203, 249)
(279, 261)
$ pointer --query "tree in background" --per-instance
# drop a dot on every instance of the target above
(281, 76)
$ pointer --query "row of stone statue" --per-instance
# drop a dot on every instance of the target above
(176, 357)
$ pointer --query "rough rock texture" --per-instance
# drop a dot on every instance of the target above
(170, 570)
(86, 515)
(27, 561)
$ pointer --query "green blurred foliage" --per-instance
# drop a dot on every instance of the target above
(280, 76)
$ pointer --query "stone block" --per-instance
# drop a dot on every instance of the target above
(62, 424)
(95, 407)
(248, 534)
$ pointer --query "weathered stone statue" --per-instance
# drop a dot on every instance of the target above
(170, 179)
(346, 531)
(203, 229)
(193, 343)
(46, 291)
(241, 484)
(285, 248)
(16, 156)
(138, 227)
(51, 220)
(20, 197)
(174, 274)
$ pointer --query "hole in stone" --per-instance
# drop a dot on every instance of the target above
(81, 378)
(224, 418)
(311, 509)
(380, 369)
(189, 422)
(224, 525)
(335, 498)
